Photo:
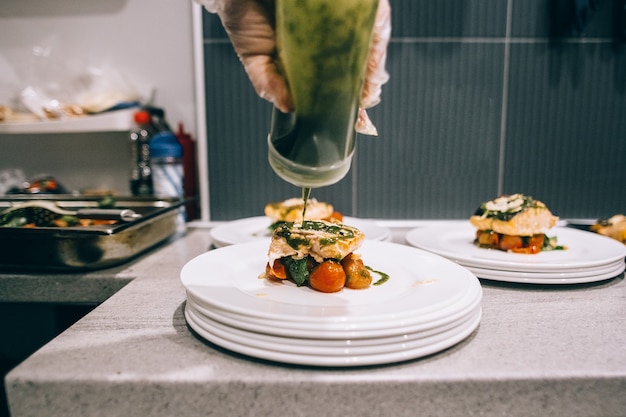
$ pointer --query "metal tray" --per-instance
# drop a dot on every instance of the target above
(88, 247)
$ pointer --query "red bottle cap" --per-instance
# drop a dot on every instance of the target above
(142, 117)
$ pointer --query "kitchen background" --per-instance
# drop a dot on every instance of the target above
(485, 97)
(141, 46)
(149, 43)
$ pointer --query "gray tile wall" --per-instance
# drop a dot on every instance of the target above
(482, 100)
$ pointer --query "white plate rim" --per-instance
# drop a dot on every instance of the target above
(338, 332)
(505, 277)
(294, 345)
(427, 315)
(612, 269)
(336, 361)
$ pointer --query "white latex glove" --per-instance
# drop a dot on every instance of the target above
(250, 27)
(376, 74)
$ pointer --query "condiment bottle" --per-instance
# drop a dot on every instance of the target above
(140, 171)
(166, 155)
(323, 47)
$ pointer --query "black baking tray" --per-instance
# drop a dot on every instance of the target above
(87, 247)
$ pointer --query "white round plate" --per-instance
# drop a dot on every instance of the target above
(455, 242)
(421, 284)
(333, 333)
(341, 360)
(330, 348)
(257, 228)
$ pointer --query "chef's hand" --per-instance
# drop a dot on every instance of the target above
(250, 27)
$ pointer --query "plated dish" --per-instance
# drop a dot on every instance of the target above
(613, 227)
(419, 282)
(318, 254)
(257, 228)
(588, 254)
(428, 300)
(515, 223)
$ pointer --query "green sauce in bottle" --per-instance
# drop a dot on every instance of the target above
(323, 47)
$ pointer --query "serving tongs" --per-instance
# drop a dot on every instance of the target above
(45, 213)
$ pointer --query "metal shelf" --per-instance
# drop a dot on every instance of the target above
(113, 121)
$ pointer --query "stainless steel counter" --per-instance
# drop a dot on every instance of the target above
(539, 350)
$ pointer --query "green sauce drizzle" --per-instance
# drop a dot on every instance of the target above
(383, 277)
(306, 193)
(338, 231)
(527, 202)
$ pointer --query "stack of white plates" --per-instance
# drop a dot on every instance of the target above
(257, 229)
(588, 257)
(428, 304)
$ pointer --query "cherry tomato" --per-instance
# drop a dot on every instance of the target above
(328, 276)
(510, 242)
(335, 216)
(357, 275)
(487, 238)
(277, 271)
(532, 246)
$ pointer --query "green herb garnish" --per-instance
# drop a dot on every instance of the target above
(297, 269)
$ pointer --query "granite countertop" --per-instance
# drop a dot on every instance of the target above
(539, 350)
